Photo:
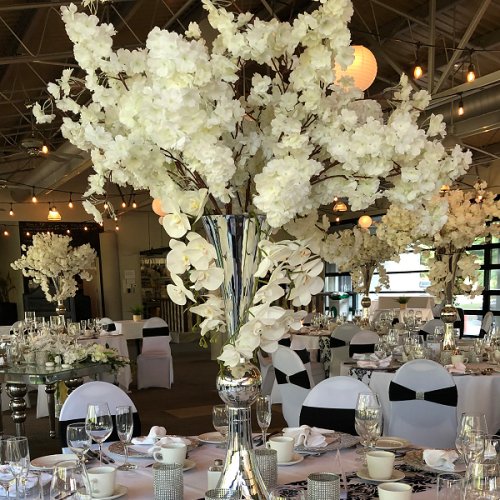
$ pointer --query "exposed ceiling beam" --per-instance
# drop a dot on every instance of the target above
(432, 45)
(44, 5)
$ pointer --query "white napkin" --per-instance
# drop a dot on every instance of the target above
(169, 440)
(440, 459)
(374, 362)
(155, 433)
(310, 437)
(360, 356)
(456, 368)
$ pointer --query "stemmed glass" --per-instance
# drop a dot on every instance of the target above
(69, 480)
(6, 476)
(368, 420)
(473, 444)
(125, 428)
(78, 440)
(469, 422)
(18, 457)
(220, 420)
(99, 424)
(264, 412)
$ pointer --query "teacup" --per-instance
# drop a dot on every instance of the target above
(283, 446)
(394, 491)
(459, 358)
(380, 464)
(102, 481)
(497, 356)
(170, 453)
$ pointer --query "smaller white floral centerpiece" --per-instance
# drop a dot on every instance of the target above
(51, 260)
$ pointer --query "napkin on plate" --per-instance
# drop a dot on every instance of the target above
(360, 356)
(375, 362)
(155, 433)
(456, 368)
(440, 459)
(310, 437)
(169, 440)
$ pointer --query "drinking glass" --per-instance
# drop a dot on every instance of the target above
(469, 422)
(70, 480)
(18, 458)
(492, 449)
(78, 440)
(482, 481)
(380, 350)
(368, 420)
(99, 424)
(220, 420)
(449, 486)
(264, 413)
(125, 428)
(473, 446)
(33, 488)
(6, 476)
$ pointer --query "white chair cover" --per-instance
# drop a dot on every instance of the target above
(424, 423)
(313, 367)
(430, 326)
(269, 385)
(294, 382)
(154, 364)
(331, 404)
(340, 353)
(486, 324)
(363, 341)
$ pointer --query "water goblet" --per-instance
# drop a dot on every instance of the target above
(70, 480)
(6, 476)
(264, 412)
(220, 421)
(125, 428)
(99, 424)
(78, 440)
(18, 457)
(368, 420)
(473, 444)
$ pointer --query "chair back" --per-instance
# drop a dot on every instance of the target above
(340, 340)
(156, 336)
(155, 327)
(486, 324)
(294, 382)
(423, 404)
(429, 327)
(74, 408)
(107, 325)
(332, 404)
(363, 342)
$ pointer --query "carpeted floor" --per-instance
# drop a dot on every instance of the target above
(184, 409)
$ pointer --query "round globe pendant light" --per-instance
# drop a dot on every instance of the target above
(363, 70)
(365, 221)
(157, 208)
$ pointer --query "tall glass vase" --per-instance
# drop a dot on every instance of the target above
(236, 239)
(367, 275)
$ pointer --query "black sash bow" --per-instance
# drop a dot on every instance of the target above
(304, 355)
(286, 342)
(361, 349)
(108, 327)
(334, 342)
(300, 379)
(423, 333)
(161, 331)
(447, 396)
(482, 333)
(337, 419)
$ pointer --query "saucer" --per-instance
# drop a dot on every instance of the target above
(397, 475)
(49, 461)
(188, 465)
(120, 490)
(296, 458)
(212, 438)
(391, 443)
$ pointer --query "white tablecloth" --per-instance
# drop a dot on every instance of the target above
(130, 329)
(5, 331)
(140, 481)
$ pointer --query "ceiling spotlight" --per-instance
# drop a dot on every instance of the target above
(337, 219)
(339, 206)
(53, 215)
(117, 227)
(461, 109)
(365, 221)
(28, 233)
(33, 197)
(68, 231)
(45, 149)
(11, 211)
(70, 202)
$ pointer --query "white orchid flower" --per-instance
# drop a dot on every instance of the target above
(201, 253)
(193, 202)
(209, 325)
(230, 356)
(177, 292)
(176, 224)
(210, 279)
(305, 287)
(178, 258)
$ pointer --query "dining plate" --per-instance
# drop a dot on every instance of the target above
(47, 462)
(414, 459)
(397, 475)
(142, 450)
(120, 490)
(391, 443)
(296, 458)
(212, 438)
(188, 465)
(335, 441)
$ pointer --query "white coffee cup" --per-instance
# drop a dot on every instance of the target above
(170, 453)
(283, 446)
(459, 358)
(394, 491)
(380, 464)
(102, 481)
(497, 356)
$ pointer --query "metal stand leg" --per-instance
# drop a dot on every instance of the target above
(1, 412)
(73, 383)
(17, 393)
(50, 389)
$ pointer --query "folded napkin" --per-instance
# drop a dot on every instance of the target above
(456, 368)
(374, 362)
(360, 356)
(440, 459)
(310, 437)
(169, 440)
(155, 433)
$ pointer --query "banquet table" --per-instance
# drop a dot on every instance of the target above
(476, 393)
(139, 482)
(131, 330)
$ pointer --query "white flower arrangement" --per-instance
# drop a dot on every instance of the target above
(443, 228)
(172, 118)
(52, 260)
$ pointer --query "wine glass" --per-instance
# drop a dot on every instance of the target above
(473, 443)
(78, 440)
(264, 413)
(18, 457)
(469, 422)
(368, 420)
(482, 481)
(125, 428)
(220, 420)
(99, 424)
(69, 480)
(6, 476)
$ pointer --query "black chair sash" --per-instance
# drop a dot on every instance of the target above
(300, 379)
(285, 342)
(482, 333)
(334, 342)
(108, 327)
(161, 331)
(361, 349)
(63, 424)
(337, 419)
(423, 333)
(304, 355)
(447, 396)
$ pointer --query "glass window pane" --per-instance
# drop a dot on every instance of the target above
(404, 282)
(407, 262)
(495, 279)
(472, 324)
(479, 255)
(495, 303)
(476, 304)
(495, 255)
(480, 241)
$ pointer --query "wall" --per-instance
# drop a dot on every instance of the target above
(10, 250)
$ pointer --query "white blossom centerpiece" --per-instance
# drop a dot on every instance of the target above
(53, 263)
(188, 123)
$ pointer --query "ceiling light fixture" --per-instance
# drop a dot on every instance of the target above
(70, 202)
(11, 211)
(53, 215)
(134, 204)
(157, 208)
(105, 206)
(85, 228)
(461, 109)
(33, 197)
(124, 204)
(45, 149)
(5, 232)
(471, 73)
(339, 205)
(363, 69)
(417, 69)
(365, 221)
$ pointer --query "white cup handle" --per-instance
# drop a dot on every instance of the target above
(268, 445)
(157, 455)
(466, 360)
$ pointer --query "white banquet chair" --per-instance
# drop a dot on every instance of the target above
(154, 364)
(109, 326)
(430, 326)
(332, 404)
(74, 408)
(313, 367)
(294, 382)
(340, 340)
(486, 324)
(363, 342)
(423, 404)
